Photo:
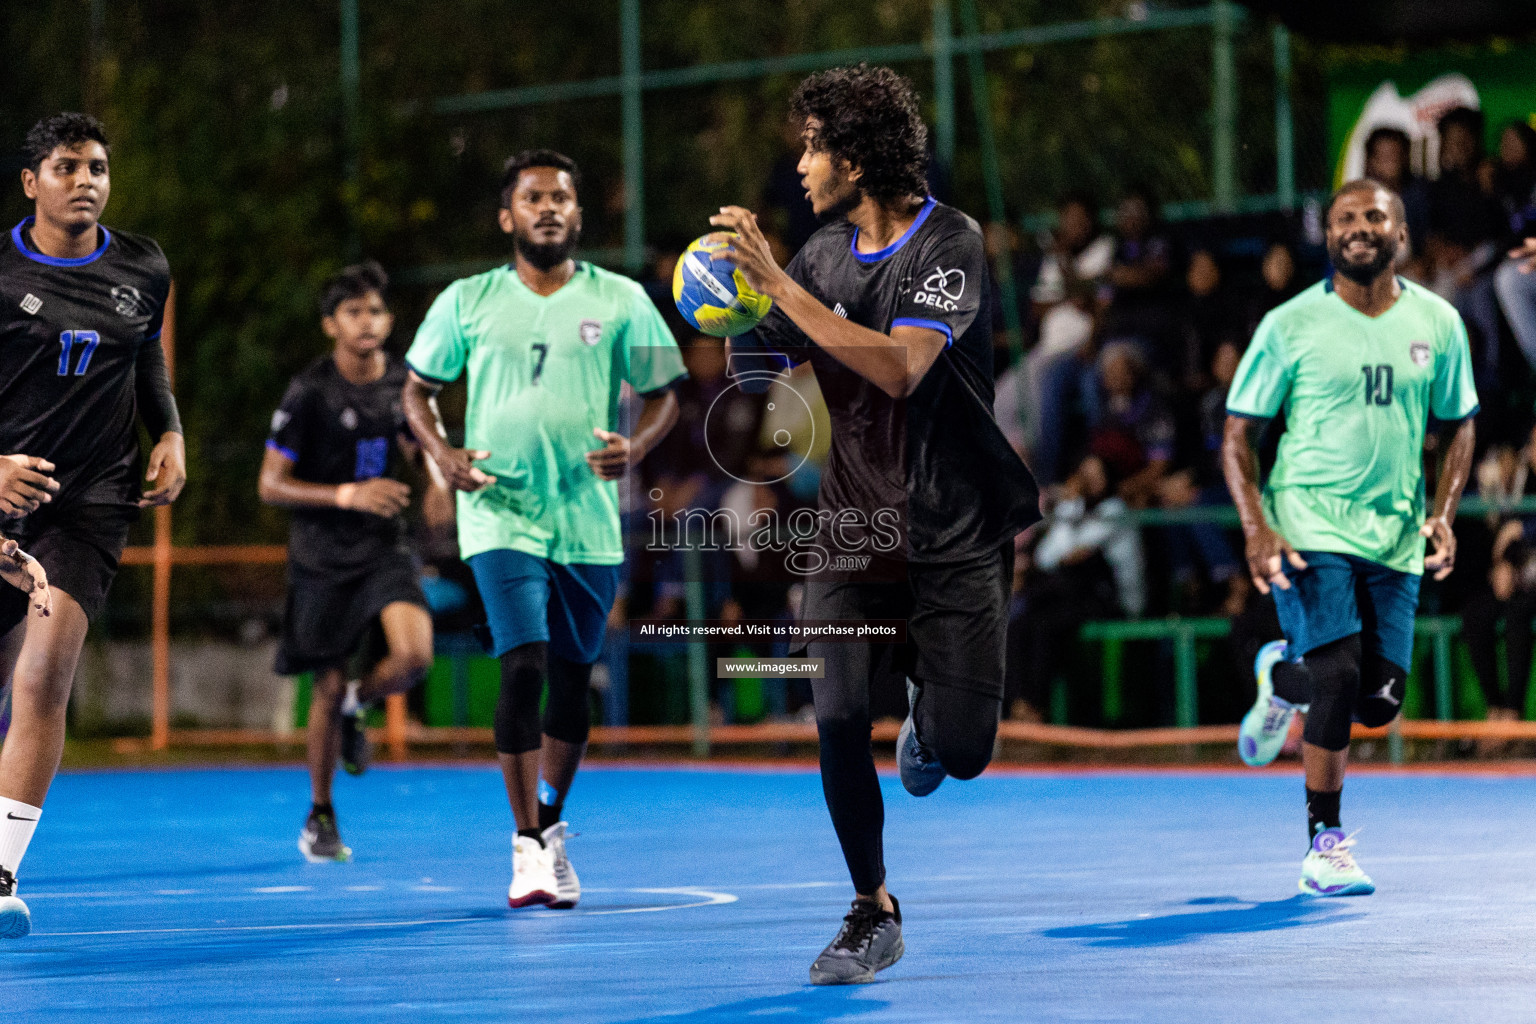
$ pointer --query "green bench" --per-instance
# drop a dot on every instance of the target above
(1184, 632)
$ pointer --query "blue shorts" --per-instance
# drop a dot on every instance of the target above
(529, 599)
(1339, 595)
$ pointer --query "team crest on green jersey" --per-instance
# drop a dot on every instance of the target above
(591, 331)
(1418, 351)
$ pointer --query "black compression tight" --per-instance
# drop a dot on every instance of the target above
(958, 726)
(524, 672)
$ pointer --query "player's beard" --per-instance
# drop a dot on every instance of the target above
(546, 256)
(1364, 273)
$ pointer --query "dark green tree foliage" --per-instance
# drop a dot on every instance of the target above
(226, 123)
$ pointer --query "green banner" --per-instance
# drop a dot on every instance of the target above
(1412, 93)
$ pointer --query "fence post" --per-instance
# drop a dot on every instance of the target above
(1285, 128)
(351, 77)
(634, 136)
(1186, 691)
(1443, 709)
(944, 93)
(991, 174)
(1223, 109)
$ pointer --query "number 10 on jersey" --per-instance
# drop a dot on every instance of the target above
(87, 340)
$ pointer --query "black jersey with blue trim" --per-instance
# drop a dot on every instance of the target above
(938, 456)
(338, 432)
(71, 331)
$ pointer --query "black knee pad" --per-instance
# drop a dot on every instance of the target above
(1382, 685)
(523, 670)
(567, 714)
(1335, 673)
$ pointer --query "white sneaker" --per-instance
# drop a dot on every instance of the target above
(1268, 722)
(15, 918)
(567, 885)
(1330, 869)
(533, 874)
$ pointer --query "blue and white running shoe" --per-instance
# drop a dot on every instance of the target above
(1329, 869)
(1267, 723)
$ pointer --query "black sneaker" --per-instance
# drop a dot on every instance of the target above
(869, 941)
(356, 751)
(321, 841)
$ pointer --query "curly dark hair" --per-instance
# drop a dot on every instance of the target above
(67, 129)
(869, 117)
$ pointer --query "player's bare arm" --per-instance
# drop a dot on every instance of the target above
(1453, 478)
(619, 453)
(167, 470)
(1267, 551)
(895, 363)
(25, 484)
(26, 574)
(278, 486)
(457, 465)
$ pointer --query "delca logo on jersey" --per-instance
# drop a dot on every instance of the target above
(129, 302)
(942, 289)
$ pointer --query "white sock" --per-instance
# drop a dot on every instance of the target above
(350, 705)
(17, 823)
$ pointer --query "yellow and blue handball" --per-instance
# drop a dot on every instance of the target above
(712, 294)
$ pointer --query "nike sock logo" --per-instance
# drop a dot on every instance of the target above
(16, 817)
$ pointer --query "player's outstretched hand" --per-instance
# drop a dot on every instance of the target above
(612, 460)
(25, 484)
(458, 468)
(380, 496)
(26, 574)
(1268, 553)
(167, 471)
(1442, 557)
(750, 251)
(1525, 252)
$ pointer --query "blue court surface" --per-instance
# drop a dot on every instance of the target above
(180, 896)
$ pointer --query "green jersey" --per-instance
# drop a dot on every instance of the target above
(544, 371)
(1357, 393)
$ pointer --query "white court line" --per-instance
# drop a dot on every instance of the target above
(707, 898)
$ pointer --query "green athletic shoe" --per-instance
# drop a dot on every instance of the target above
(1330, 869)
(1267, 723)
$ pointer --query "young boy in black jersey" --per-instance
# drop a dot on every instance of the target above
(338, 440)
(81, 308)
(888, 304)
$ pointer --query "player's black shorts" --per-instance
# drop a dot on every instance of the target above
(80, 547)
(329, 616)
(956, 614)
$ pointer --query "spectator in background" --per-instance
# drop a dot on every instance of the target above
(1277, 283)
(1388, 160)
(1512, 177)
(1140, 304)
(1465, 225)
(1058, 379)
(1203, 484)
(1134, 431)
(1515, 283)
(1087, 565)
(1510, 593)
(1209, 321)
